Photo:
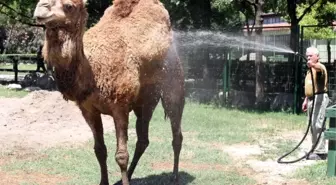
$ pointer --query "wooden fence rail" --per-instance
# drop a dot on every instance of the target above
(15, 59)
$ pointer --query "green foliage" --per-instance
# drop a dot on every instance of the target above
(13, 11)
(18, 11)
(23, 38)
(203, 14)
(226, 16)
(313, 19)
(275, 6)
(96, 10)
(327, 12)
(179, 14)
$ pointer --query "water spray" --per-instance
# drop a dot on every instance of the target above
(309, 124)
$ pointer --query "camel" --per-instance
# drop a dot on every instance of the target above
(126, 62)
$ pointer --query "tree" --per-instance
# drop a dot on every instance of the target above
(23, 35)
(325, 19)
(96, 10)
(327, 12)
(225, 16)
(22, 11)
(253, 9)
(18, 11)
(295, 17)
(260, 71)
(203, 14)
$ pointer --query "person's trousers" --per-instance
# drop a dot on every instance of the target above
(318, 119)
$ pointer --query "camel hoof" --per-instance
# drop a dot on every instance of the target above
(104, 182)
(175, 180)
(118, 183)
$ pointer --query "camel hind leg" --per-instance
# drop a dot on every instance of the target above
(173, 103)
(144, 108)
(173, 109)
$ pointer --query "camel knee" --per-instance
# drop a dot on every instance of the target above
(121, 158)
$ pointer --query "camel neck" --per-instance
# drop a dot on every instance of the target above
(63, 47)
(64, 50)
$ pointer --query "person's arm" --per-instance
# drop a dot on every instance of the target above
(316, 66)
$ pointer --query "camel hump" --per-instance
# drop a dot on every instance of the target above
(124, 7)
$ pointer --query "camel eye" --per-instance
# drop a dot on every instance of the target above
(68, 7)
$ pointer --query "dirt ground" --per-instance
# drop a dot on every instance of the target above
(43, 119)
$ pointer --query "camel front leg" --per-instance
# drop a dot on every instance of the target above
(120, 116)
(93, 119)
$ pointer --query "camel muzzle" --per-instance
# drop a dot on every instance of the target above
(42, 11)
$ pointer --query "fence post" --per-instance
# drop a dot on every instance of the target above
(300, 68)
(15, 68)
(296, 78)
(229, 71)
(224, 78)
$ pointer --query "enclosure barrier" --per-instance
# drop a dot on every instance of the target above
(14, 59)
(330, 134)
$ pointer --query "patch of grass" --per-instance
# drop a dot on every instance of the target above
(10, 93)
(20, 66)
(316, 174)
(206, 129)
(234, 126)
(155, 167)
(277, 148)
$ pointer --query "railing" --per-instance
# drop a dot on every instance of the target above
(330, 134)
(15, 59)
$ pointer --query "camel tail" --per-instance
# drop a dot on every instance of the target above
(165, 115)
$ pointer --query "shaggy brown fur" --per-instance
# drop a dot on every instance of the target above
(140, 39)
(129, 64)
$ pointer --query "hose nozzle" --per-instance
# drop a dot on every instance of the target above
(300, 55)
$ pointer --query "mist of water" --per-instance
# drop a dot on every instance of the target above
(219, 39)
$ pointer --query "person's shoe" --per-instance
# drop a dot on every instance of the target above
(313, 156)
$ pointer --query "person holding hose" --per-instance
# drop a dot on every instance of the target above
(320, 80)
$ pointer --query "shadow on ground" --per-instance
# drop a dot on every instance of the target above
(161, 179)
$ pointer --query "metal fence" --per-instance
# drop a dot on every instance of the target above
(226, 74)
(327, 55)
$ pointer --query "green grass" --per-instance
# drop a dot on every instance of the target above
(20, 66)
(9, 93)
(234, 126)
(316, 174)
(280, 147)
(206, 130)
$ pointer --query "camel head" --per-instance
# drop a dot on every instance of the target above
(60, 13)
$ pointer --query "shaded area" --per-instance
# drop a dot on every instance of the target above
(161, 179)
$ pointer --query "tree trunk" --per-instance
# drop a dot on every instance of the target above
(259, 64)
(9, 38)
(206, 23)
(294, 35)
(249, 36)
